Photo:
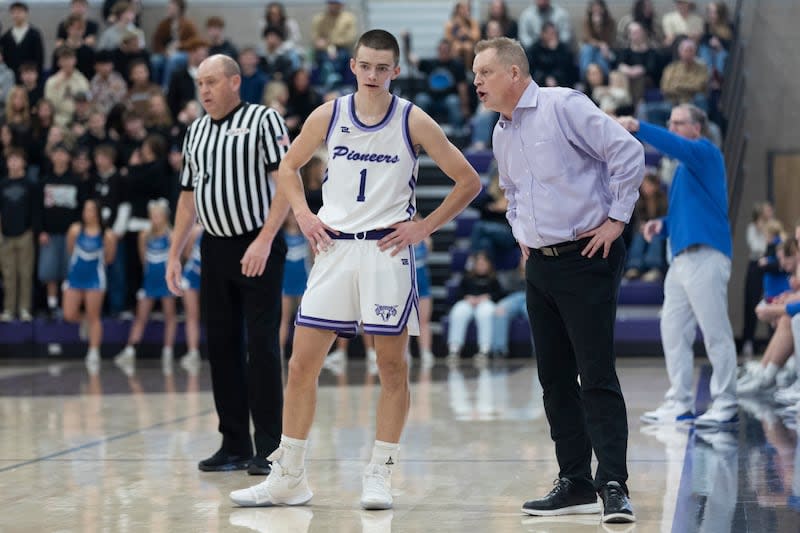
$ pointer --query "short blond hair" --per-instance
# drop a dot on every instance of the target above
(509, 52)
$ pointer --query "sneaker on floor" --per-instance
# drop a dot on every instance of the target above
(565, 498)
(716, 417)
(427, 358)
(280, 488)
(616, 505)
(190, 359)
(126, 356)
(335, 361)
(669, 412)
(93, 356)
(25, 315)
(224, 461)
(652, 275)
(6, 316)
(759, 384)
(376, 493)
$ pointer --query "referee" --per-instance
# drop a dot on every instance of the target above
(227, 157)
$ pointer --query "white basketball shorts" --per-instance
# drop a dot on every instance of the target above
(353, 283)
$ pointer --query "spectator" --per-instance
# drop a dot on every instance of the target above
(303, 99)
(18, 110)
(498, 12)
(686, 80)
(22, 43)
(133, 135)
(169, 39)
(716, 40)
(614, 98)
(275, 16)
(462, 32)
(507, 309)
(599, 37)
(424, 342)
(78, 8)
(7, 81)
(533, 18)
(95, 133)
(20, 219)
(335, 27)
(492, 233)
(254, 80)
(80, 118)
(775, 279)
(182, 86)
(108, 10)
(129, 51)
(158, 119)
(276, 96)
(754, 287)
(477, 293)
(446, 92)
(108, 88)
(107, 190)
(647, 257)
(141, 88)
(84, 54)
(81, 166)
(62, 86)
(124, 16)
(191, 299)
(42, 123)
(681, 22)
(91, 246)
(279, 59)
(644, 14)
(312, 174)
(295, 275)
(639, 62)
(218, 43)
(551, 61)
(63, 196)
(29, 78)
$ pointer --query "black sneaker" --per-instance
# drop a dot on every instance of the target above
(565, 498)
(616, 505)
(259, 466)
(222, 461)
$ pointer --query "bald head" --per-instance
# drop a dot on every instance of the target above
(218, 81)
(228, 67)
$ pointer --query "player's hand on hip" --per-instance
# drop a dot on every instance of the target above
(603, 237)
(651, 229)
(254, 260)
(316, 231)
(405, 234)
(174, 276)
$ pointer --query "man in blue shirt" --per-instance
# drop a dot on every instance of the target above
(696, 286)
(571, 176)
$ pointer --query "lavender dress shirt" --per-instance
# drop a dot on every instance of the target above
(565, 166)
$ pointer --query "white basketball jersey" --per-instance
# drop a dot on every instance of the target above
(372, 170)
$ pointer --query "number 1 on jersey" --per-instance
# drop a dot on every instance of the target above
(362, 186)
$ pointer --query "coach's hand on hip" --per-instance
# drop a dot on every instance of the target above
(254, 260)
(174, 276)
(602, 236)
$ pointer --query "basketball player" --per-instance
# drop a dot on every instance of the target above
(364, 271)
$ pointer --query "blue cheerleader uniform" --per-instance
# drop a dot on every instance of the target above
(191, 270)
(423, 274)
(154, 284)
(87, 270)
(295, 274)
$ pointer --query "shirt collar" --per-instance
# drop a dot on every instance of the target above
(529, 98)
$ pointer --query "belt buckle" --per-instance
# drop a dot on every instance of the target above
(363, 236)
(549, 251)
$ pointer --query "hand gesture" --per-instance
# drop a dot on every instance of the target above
(651, 229)
(405, 234)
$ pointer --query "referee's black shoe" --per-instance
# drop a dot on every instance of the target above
(616, 505)
(565, 498)
(224, 461)
(259, 466)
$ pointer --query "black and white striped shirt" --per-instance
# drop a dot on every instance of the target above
(226, 163)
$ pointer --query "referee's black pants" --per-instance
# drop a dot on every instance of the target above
(572, 302)
(245, 374)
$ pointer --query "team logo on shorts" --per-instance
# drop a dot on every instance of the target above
(385, 311)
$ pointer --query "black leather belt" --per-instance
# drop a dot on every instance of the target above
(371, 235)
(562, 248)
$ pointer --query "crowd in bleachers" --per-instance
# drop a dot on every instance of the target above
(104, 118)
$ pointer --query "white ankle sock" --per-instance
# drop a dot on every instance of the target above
(294, 453)
(384, 453)
(52, 302)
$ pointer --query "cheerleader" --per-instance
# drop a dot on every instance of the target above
(91, 247)
(191, 300)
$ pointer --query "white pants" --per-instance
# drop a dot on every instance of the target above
(460, 315)
(696, 293)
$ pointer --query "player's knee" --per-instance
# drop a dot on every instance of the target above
(393, 372)
(301, 371)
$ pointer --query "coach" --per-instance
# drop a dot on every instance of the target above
(227, 157)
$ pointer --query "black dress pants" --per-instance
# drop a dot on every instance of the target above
(572, 303)
(242, 316)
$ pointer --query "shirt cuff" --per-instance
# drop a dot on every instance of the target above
(621, 213)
